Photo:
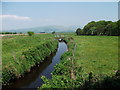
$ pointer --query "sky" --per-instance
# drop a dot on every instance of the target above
(18, 15)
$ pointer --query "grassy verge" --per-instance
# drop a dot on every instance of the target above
(20, 53)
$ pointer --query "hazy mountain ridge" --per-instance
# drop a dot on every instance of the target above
(46, 29)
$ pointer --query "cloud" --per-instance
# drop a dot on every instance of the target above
(14, 17)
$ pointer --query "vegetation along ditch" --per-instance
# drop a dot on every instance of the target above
(32, 79)
(69, 74)
(24, 54)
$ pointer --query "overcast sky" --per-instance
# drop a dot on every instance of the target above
(16, 15)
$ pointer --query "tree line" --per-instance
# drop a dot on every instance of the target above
(10, 33)
(102, 27)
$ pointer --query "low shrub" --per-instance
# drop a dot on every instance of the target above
(30, 33)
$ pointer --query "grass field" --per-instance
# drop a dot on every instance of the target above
(15, 45)
(94, 64)
(98, 54)
(20, 53)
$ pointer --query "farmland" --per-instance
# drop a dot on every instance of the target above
(95, 58)
(17, 57)
(89, 59)
(60, 45)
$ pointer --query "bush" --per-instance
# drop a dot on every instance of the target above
(21, 33)
(30, 33)
(53, 32)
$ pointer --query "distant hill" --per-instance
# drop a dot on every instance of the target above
(47, 29)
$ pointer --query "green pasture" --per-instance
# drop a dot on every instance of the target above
(97, 54)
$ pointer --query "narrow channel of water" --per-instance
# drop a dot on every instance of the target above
(32, 79)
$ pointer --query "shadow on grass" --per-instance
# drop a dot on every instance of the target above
(107, 83)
